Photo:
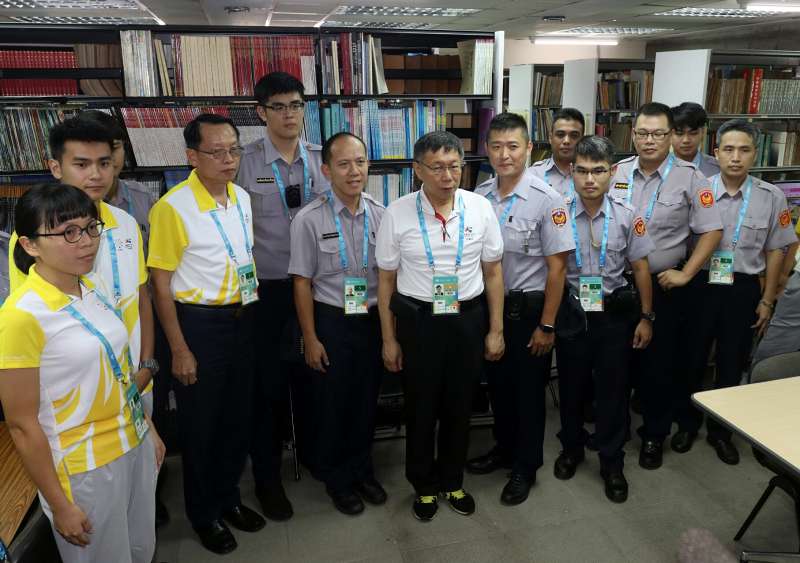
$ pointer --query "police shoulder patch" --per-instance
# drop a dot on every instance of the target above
(785, 218)
(559, 216)
(706, 198)
(639, 227)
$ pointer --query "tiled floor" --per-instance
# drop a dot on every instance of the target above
(568, 521)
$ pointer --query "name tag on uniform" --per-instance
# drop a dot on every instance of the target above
(265, 180)
(721, 269)
(445, 295)
(621, 186)
(355, 296)
(134, 402)
(248, 288)
(591, 293)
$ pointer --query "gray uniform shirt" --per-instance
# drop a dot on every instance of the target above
(4, 283)
(136, 199)
(552, 175)
(270, 217)
(315, 247)
(767, 224)
(627, 240)
(684, 205)
(706, 164)
(534, 227)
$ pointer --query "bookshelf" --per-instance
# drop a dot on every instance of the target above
(536, 91)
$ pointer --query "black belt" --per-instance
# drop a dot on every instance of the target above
(230, 306)
(274, 283)
(427, 306)
(331, 310)
(521, 304)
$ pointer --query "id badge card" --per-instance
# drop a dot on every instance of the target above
(445, 295)
(134, 401)
(355, 296)
(591, 293)
(721, 268)
(248, 285)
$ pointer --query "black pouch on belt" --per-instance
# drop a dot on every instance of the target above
(571, 318)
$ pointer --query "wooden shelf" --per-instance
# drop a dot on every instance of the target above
(758, 116)
(795, 168)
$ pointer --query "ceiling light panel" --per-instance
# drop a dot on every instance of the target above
(79, 20)
(70, 4)
(614, 31)
(379, 25)
(717, 13)
(403, 11)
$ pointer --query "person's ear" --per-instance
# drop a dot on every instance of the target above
(29, 246)
(55, 168)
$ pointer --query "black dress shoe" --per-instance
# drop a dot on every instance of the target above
(274, 503)
(162, 514)
(216, 537)
(616, 486)
(244, 519)
(682, 441)
(371, 491)
(566, 465)
(726, 451)
(652, 454)
(487, 463)
(516, 490)
(346, 502)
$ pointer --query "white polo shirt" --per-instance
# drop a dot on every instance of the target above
(184, 239)
(400, 246)
(82, 407)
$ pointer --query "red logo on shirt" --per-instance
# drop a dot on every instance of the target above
(785, 218)
(559, 217)
(639, 228)
(707, 198)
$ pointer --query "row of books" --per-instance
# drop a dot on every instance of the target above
(547, 89)
(542, 124)
(752, 90)
(38, 87)
(138, 62)
(37, 58)
(99, 55)
(624, 90)
(386, 187)
(425, 86)
(477, 65)
(352, 64)
(619, 130)
(23, 136)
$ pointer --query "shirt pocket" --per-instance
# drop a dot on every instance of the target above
(523, 237)
(328, 258)
(265, 200)
(753, 233)
(670, 211)
(615, 252)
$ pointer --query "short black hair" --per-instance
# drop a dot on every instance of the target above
(741, 125)
(277, 83)
(656, 109)
(596, 149)
(46, 206)
(689, 115)
(77, 129)
(106, 120)
(436, 141)
(570, 114)
(192, 134)
(327, 147)
(508, 121)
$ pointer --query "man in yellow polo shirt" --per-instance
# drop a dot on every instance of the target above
(204, 278)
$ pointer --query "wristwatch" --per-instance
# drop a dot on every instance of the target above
(547, 329)
(151, 364)
(651, 316)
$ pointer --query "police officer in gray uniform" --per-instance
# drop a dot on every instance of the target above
(730, 305)
(335, 287)
(691, 122)
(282, 174)
(536, 240)
(675, 200)
(568, 127)
(607, 233)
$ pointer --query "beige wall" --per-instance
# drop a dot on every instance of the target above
(522, 51)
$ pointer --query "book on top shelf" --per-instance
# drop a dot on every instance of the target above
(736, 90)
(477, 66)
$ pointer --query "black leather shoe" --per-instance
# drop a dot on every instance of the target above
(273, 501)
(651, 454)
(244, 519)
(346, 502)
(162, 514)
(726, 451)
(371, 491)
(682, 441)
(216, 537)
(566, 465)
(516, 490)
(487, 463)
(616, 486)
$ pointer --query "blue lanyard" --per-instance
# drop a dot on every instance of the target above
(603, 244)
(306, 178)
(112, 249)
(748, 188)
(507, 210)
(652, 204)
(342, 246)
(226, 240)
(697, 159)
(423, 228)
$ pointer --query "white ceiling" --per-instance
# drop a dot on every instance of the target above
(518, 18)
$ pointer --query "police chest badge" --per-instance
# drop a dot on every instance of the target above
(559, 217)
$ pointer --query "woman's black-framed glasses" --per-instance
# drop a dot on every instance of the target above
(73, 233)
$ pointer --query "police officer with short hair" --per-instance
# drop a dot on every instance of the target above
(282, 174)
(336, 292)
(691, 121)
(607, 233)
(536, 240)
(568, 127)
(675, 201)
(730, 303)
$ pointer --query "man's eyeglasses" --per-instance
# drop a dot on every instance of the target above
(74, 233)
(599, 171)
(657, 135)
(293, 107)
(219, 154)
(439, 170)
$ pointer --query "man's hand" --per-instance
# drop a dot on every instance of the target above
(669, 279)
(184, 367)
(158, 444)
(643, 334)
(495, 346)
(73, 524)
(316, 356)
(763, 315)
(142, 378)
(541, 342)
(392, 355)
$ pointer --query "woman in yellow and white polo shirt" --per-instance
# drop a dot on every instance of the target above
(66, 387)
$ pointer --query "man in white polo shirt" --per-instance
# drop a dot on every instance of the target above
(437, 250)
